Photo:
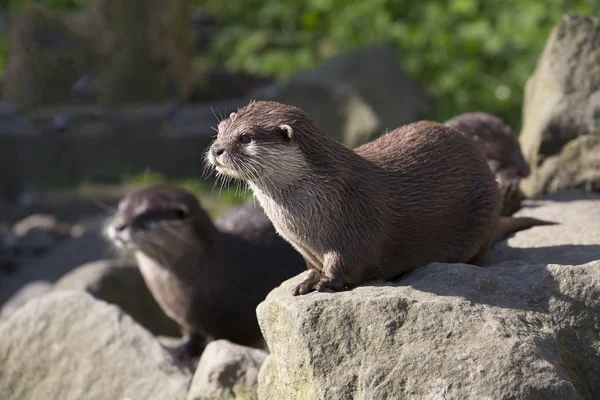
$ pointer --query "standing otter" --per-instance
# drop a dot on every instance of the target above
(498, 143)
(419, 194)
(207, 277)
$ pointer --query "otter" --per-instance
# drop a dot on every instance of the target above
(500, 147)
(207, 277)
(422, 193)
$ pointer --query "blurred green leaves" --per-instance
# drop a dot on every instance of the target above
(469, 54)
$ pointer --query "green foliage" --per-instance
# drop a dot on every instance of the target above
(469, 54)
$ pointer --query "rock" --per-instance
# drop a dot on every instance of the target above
(354, 96)
(214, 83)
(62, 258)
(27, 293)
(524, 327)
(121, 284)
(143, 50)
(43, 58)
(576, 166)
(67, 345)
(144, 132)
(227, 371)
(561, 112)
(37, 233)
(573, 242)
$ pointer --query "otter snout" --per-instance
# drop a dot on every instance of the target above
(119, 233)
(217, 150)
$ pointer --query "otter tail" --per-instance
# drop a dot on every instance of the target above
(508, 225)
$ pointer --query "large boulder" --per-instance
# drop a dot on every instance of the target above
(121, 284)
(227, 371)
(354, 96)
(519, 329)
(67, 345)
(561, 129)
(23, 296)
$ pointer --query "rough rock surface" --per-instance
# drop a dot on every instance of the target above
(354, 96)
(120, 283)
(561, 113)
(67, 345)
(227, 371)
(527, 327)
(23, 296)
(66, 256)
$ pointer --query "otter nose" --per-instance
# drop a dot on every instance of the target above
(119, 227)
(217, 150)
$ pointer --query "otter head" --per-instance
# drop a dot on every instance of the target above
(496, 140)
(262, 143)
(160, 221)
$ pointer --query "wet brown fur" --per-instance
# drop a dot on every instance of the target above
(422, 193)
(207, 277)
(501, 148)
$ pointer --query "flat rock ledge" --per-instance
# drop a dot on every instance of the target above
(518, 329)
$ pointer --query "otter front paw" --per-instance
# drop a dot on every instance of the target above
(304, 288)
(308, 284)
(329, 285)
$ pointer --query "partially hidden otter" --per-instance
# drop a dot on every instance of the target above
(498, 143)
(207, 277)
(422, 193)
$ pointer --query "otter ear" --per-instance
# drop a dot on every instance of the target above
(232, 115)
(287, 130)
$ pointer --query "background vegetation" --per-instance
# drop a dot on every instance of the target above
(469, 54)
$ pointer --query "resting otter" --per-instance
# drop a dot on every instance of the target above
(419, 194)
(207, 277)
(502, 150)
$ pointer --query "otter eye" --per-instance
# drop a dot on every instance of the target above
(245, 138)
(181, 214)
(153, 219)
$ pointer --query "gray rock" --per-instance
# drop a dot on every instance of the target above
(227, 371)
(23, 296)
(573, 242)
(145, 134)
(121, 284)
(523, 328)
(561, 113)
(37, 233)
(67, 345)
(354, 96)
(70, 253)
